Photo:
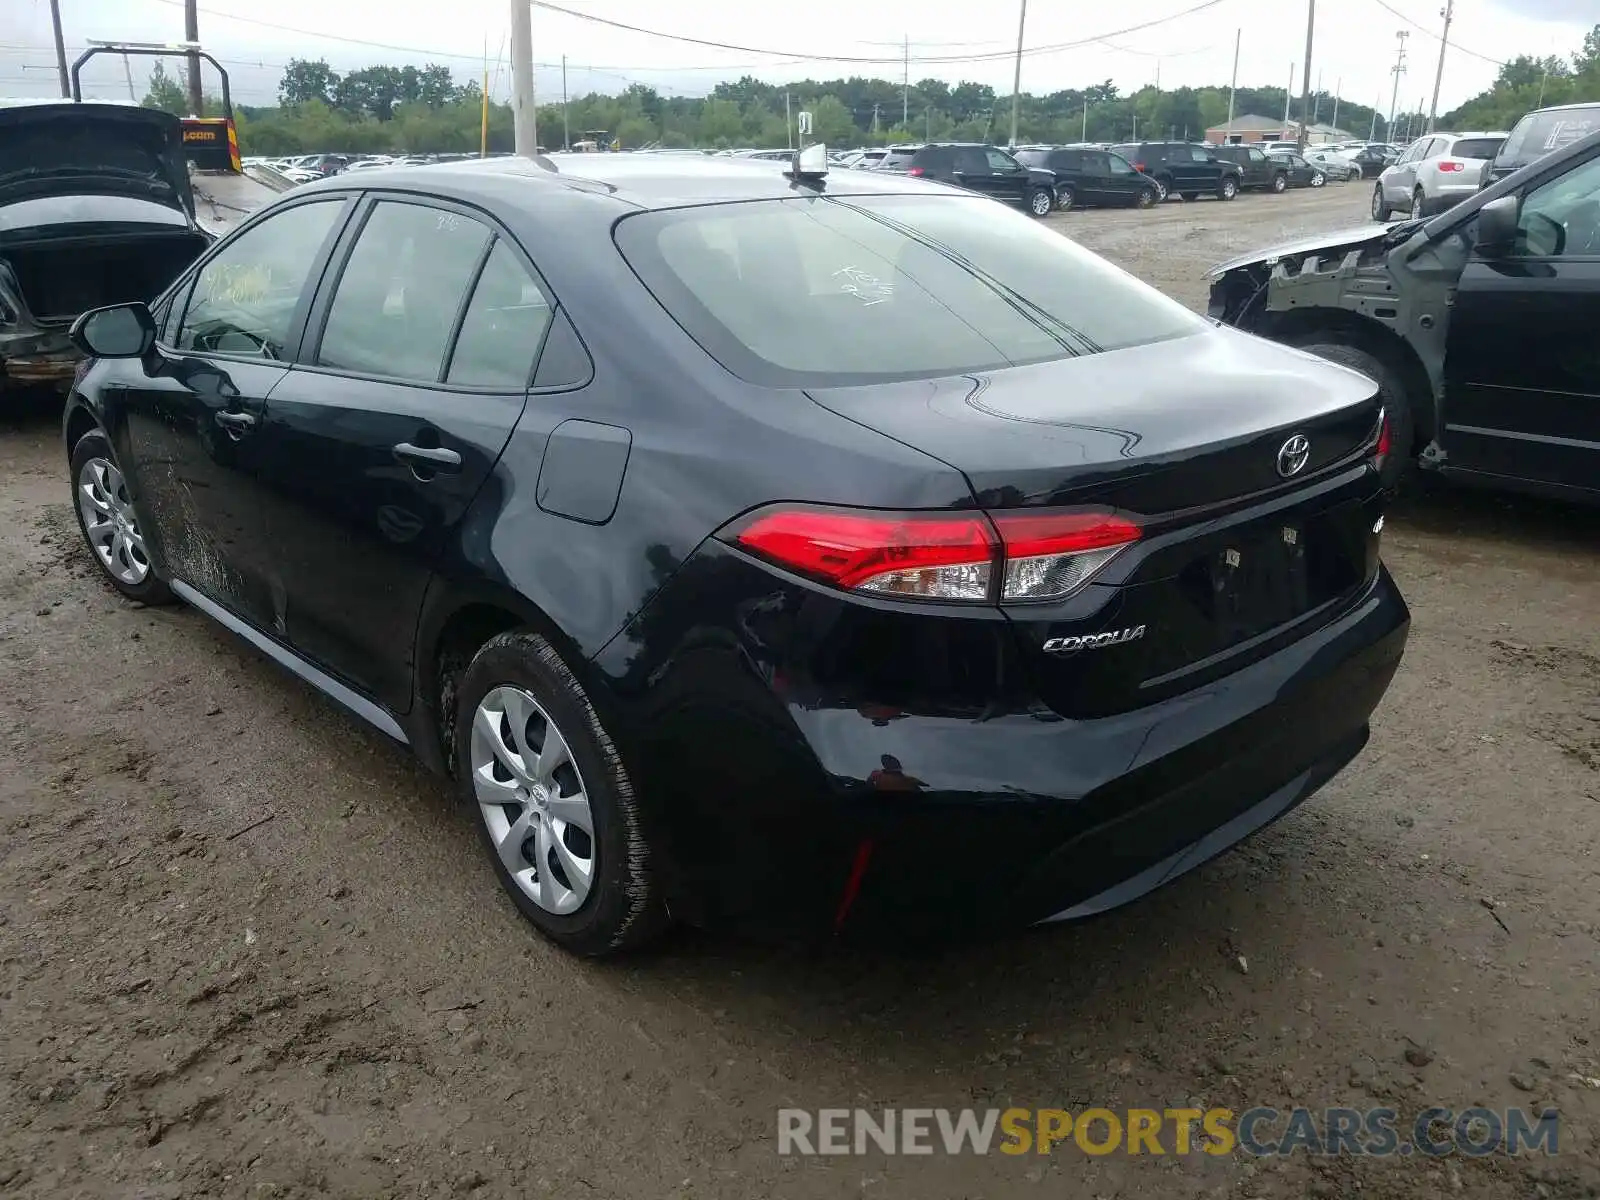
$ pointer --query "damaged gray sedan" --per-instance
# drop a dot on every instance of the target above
(1479, 325)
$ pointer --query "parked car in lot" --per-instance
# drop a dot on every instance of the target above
(1088, 175)
(1372, 159)
(1436, 171)
(96, 207)
(1476, 324)
(1183, 168)
(766, 551)
(1257, 171)
(1298, 172)
(1542, 132)
(987, 170)
(1335, 166)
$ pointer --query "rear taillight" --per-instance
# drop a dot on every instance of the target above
(1446, 164)
(1139, 167)
(1382, 442)
(966, 557)
(915, 171)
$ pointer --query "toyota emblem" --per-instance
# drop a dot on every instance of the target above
(1293, 455)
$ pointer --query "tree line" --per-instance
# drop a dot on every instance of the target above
(423, 109)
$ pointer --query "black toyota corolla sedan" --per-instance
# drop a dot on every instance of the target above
(819, 553)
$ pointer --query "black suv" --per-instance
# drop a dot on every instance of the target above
(986, 169)
(1091, 175)
(1257, 170)
(1189, 170)
(1542, 132)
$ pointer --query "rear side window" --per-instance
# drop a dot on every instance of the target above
(504, 324)
(820, 292)
(397, 300)
(245, 297)
(1476, 147)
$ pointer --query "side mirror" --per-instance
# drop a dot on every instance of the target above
(118, 331)
(1497, 226)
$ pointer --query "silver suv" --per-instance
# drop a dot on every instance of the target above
(1437, 170)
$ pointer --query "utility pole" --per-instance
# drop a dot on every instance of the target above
(788, 122)
(566, 128)
(1316, 98)
(1448, 12)
(1085, 136)
(1016, 74)
(1305, 83)
(1233, 82)
(1372, 134)
(1398, 69)
(524, 116)
(1337, 85)
(191, 34)
(1288, 95)
(875, 108)
(127, 73)
(61, 49)
(905, 89)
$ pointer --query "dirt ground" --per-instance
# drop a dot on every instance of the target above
(248, 949)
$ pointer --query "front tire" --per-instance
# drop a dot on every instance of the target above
(1280, 182)
(1066, 197)
(1041, 202)
(1380, 206)
(1318, 179)
(553, 800)
(1147, 198)
(1391, 394)
(109, 526)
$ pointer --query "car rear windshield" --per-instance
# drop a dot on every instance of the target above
(826, 292)
(1476, 147)
(1541, 133)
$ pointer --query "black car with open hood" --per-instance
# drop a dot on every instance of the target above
(96, 208)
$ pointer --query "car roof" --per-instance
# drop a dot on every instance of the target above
(642, 181)
(1477, 134)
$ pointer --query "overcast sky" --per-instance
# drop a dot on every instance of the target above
(1355, 41)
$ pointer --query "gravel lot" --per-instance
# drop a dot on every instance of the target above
(248, 949)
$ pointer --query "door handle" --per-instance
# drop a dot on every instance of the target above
(428, 458)
(236, 422)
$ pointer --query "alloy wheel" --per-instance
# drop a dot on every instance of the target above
(532, 800)
(1318, 179)
(1042, 203)
(109, 523)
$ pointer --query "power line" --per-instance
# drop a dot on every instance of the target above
(935, 58)
(1384, 4)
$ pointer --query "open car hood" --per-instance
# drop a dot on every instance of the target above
(1343, 239)
(71, 149)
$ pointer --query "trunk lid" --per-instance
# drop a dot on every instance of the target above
(1185, 436)
(93, 149)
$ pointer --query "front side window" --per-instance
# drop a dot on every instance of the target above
(1199, 154)
(246, 295)
(503, 327)
(1000, 161)
(396, 303)
(1119, 165)
(1561, 219)
(1256, 157)
(828, 292)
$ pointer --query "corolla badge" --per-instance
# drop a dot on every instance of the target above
(1293, 455)
(1094, 641)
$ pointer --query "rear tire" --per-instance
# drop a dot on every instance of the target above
(1148, 198)
(1228, 188)
(1066, 197)
(1318, 179)
(1041, 202)
(1280, 182)
(1380, 207)
(113, 537)
(617, 905)
(1165, 187)
(1419, 204)
(1391, 394)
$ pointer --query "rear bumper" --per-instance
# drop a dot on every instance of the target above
(918, 825)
